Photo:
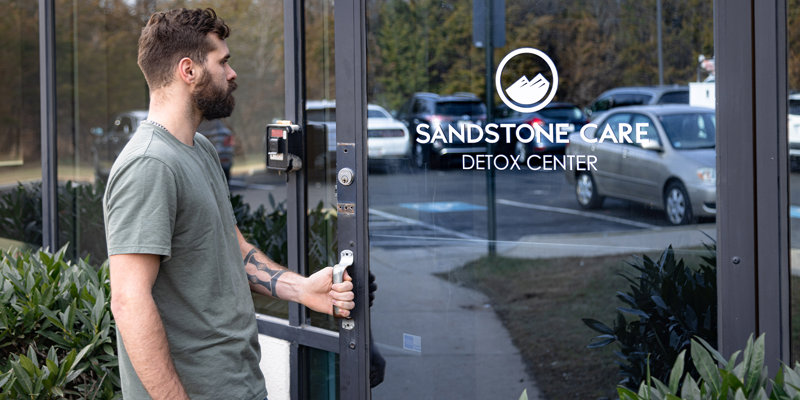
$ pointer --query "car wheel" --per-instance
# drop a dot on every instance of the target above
(586, 192)
(521, 151)
(677, 205)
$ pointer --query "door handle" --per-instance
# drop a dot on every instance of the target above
(345, 261)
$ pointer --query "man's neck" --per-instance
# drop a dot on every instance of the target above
(178, 117)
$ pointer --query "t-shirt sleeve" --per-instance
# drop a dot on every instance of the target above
(140, 208)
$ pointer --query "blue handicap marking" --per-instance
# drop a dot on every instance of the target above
(794, 211)
(442, 206)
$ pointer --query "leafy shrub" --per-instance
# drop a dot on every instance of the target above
(267, 231)
(720, 378)
(80, 217)
(57, 337)
(671, 303)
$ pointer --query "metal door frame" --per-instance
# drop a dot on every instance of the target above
(352, 345)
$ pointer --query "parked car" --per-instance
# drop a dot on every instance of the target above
(108, 143)
(637, 95)
(387, 138)
(553, 113)
(441, 111)
(673, 170)
(794, 131)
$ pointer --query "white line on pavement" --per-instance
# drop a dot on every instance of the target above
(579, 213)
(410, 221)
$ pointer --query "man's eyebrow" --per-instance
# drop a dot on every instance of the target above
(227, 57)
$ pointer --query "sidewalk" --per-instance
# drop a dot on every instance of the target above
(462, 350)
(442, 341)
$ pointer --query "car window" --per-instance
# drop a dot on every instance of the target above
(611, 125)
(562, 113)
(650, 130)
(321, 114)
(602, 104)
(375, 113)
(419, 107)
(690, 131)
(794, 106)
(458, 108)
(681, 97)
(630, 99)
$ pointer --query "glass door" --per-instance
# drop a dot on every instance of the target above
(509, 189)
(283, 54)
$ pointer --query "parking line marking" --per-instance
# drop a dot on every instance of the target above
(410, 221)
(570, 211)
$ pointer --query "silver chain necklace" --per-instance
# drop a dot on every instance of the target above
(158, 125)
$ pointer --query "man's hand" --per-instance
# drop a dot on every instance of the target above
(321, 294)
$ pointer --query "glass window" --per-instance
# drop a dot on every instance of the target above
(674, 98)
(498, 323)
(602, 104)
(630, 99)
(103, 98)
(651, 134)
(690, 131)
(459, 108)
(563, 113)
(20, 140)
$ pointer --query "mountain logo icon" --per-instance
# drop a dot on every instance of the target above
(527, 95)
(524, 91)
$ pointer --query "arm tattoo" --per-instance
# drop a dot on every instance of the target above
(273, 273)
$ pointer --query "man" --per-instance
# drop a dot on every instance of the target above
(181, 272)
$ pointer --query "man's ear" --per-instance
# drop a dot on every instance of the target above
(187, 70)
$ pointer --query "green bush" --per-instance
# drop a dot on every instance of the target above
(720, 378)
(671, 302)
(80, 217)
(267, 231)
(57, 337)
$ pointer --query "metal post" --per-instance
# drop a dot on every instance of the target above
(294, 70)
(47, 95)
(491, 203)
(660, 47)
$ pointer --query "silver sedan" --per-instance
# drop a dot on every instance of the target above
(663, 156)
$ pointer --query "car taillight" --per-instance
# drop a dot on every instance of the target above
(536, 121)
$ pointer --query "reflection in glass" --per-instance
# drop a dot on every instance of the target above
(453, 322)
(102, 98)
(20, 150)
(323, 370)
(321, 142)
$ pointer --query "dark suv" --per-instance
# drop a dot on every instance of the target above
(441, 111)
(636, 96)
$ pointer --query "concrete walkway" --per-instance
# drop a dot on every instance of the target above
(442, 341)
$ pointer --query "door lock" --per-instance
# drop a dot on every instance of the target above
(346, 176)
(345, 261)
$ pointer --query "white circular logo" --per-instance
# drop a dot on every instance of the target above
(527, 95)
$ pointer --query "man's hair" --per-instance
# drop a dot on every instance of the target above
(172, 35)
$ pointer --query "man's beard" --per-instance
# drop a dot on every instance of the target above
(213, 101)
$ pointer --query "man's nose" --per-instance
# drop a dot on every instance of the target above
(231, 73)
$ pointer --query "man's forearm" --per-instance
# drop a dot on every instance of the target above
(145, 341)
(269, 278)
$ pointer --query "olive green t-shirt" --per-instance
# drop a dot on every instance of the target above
(167, 198)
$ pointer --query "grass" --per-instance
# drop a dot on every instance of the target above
(541, 303)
